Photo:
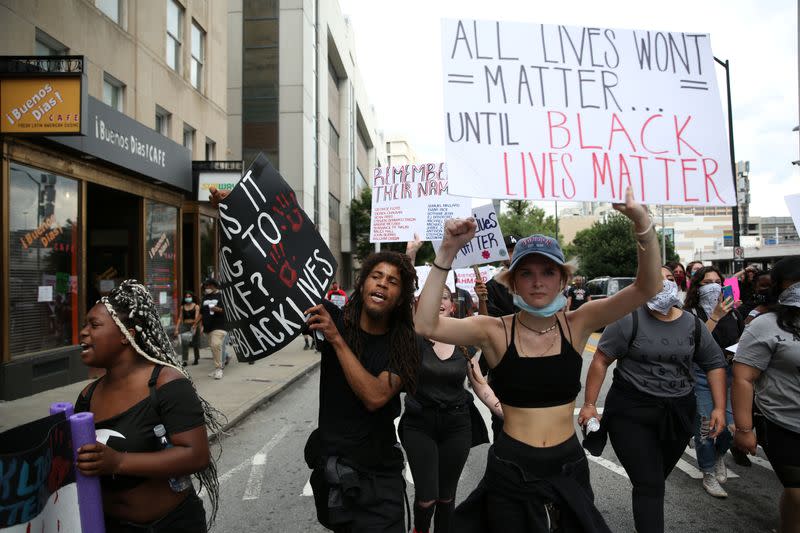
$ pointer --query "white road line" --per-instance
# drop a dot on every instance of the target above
(689, 469)
(252, 490)
(307, 491)
(760, 462)
(693, 453)
(614, 467)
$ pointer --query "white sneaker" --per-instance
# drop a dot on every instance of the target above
(218, 373)
(212, 373)
(712, 486)
(720, 469)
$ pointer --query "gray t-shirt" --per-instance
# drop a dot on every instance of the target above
(776, 353)
(660, 359)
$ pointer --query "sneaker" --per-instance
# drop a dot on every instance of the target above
(740, 458)
(212, 373)
(218, 375)
(720, 469)
(712, 486)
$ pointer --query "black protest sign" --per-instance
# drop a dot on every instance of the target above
(273, 263)
(35, 461)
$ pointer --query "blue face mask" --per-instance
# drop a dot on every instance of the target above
(549, 310)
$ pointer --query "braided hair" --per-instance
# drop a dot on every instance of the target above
(404, 357)
(131, 307)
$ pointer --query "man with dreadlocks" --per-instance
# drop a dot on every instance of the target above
(369, 353)
(144, 386)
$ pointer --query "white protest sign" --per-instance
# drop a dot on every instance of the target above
(409, 199)
(543, 112)
(793, 203)
(465, 278)
(422, 277)
(487, 246)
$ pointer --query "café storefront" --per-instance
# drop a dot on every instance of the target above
(79, 215)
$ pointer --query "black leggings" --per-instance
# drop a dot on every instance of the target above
(647, 459)
(782, 448)
(437, 443)
(187, 517)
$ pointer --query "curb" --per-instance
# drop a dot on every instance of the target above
(264, 399)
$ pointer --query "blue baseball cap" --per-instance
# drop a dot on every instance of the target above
(537, 244)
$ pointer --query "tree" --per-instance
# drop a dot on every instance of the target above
(360, 217)
(608, 248)
(522, 218)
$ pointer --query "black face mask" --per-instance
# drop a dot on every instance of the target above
(761, 297)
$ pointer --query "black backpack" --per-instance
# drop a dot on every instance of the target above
(697, 325)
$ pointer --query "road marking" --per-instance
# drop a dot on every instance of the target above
(252, 490)
(307, 491)
(610, 465)
(693, 453)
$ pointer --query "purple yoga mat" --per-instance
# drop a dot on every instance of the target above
(89, 498)
(67, 407)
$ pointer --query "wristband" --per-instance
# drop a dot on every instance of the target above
(713, 320)
(743, 430)
(646, 231)
(448, 269)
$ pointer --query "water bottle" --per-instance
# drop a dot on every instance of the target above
(177, 484)
(591, 426)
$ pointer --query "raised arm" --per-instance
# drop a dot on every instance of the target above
(427, 322)
(597, 313)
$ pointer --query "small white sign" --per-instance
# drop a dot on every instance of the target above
(422, 277)
(793, 203)
(106, 286)
(162, 298)
(487, 246)
(45, 293)
(465, 278)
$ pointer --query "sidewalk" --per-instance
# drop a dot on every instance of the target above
(243, 388)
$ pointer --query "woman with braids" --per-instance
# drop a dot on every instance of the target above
(369, 353)
(144, 386)
(437, 429)
(766, 368)
(536, 473)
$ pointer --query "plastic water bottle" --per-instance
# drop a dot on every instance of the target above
(592, 425)
(177, 484)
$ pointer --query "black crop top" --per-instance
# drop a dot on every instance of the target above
(441, 381)
(537, 381)
(174, 404)
(189, 314)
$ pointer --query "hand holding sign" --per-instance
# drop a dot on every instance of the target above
(319, 320)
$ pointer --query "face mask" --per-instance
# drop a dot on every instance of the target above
(680, 277)
(666, 299)
(549, 310)
(761, 297)
(187, 300)
(709, 296)
(208, 291)
(790, 296)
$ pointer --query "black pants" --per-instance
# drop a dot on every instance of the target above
(195, 344)
(782, 448)
(188, 517)
(648, 459)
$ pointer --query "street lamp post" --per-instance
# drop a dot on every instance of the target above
(738, 264)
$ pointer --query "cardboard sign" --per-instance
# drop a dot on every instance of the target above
(543, 112)
(734, 284)
(487, 246)
(422, 277)
(465, 278)
(273, 263)
(412, 199)
(793, 203)
(38, 491)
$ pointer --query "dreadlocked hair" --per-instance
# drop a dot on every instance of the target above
(404, 357)
(131, 307)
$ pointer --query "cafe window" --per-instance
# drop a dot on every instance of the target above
(161, 259)
(174, 34)
(43, 259)
(208, 245)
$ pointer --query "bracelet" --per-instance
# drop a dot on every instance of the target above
(645, 232)
(587, 404)
(714, 321)
(742, 430)
(448, 269)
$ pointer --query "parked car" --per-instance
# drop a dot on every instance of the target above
(604, 287)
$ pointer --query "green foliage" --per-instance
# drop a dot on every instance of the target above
(522, 218)
(609, 249)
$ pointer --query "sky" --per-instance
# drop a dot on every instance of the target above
(398, 52)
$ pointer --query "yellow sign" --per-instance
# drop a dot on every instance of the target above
(40, 105)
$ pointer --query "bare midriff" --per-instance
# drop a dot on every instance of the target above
(540, 427)
(144, 503)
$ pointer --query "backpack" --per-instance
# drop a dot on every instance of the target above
(635, 329)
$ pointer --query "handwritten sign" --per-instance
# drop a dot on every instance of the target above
(793, 203)
(465, 278)
(38, 491)
(273, 263)
(487, 246)
(422, 277)
(543, 112)
(412, 199)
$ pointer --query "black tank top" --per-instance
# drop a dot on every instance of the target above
(537, 381)
(441, 381)
(189, 314)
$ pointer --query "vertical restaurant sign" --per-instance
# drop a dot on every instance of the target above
(553, 112)
(273, 263)
(41, 105)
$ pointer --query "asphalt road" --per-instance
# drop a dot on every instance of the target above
(264, 480)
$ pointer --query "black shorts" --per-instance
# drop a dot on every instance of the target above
(783, 450)
(187, 517)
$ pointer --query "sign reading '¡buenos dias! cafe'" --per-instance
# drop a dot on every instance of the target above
(40, 105)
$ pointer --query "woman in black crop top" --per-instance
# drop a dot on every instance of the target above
(436, 428)
(189, 328)
(143, 386)
(534, 357)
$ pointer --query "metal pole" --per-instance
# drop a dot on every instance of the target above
(737, 264)
(557, 239)
(663, 239)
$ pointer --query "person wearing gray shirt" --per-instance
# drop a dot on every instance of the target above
(649, 410)
(767, 366)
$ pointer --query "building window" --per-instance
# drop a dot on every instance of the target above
(334, 138)
(211, 150)
(174, 34)
(163, 119)
(113, 92)
(188, 137)
(333, 208)
(161, 259)
(43, 275)
(47, 46)
(198, 55)
(110, 8)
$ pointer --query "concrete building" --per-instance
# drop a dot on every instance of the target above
(148, 92)
(399, 152)
(299, 98)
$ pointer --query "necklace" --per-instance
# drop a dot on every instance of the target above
(552, 343)
(537, 331)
